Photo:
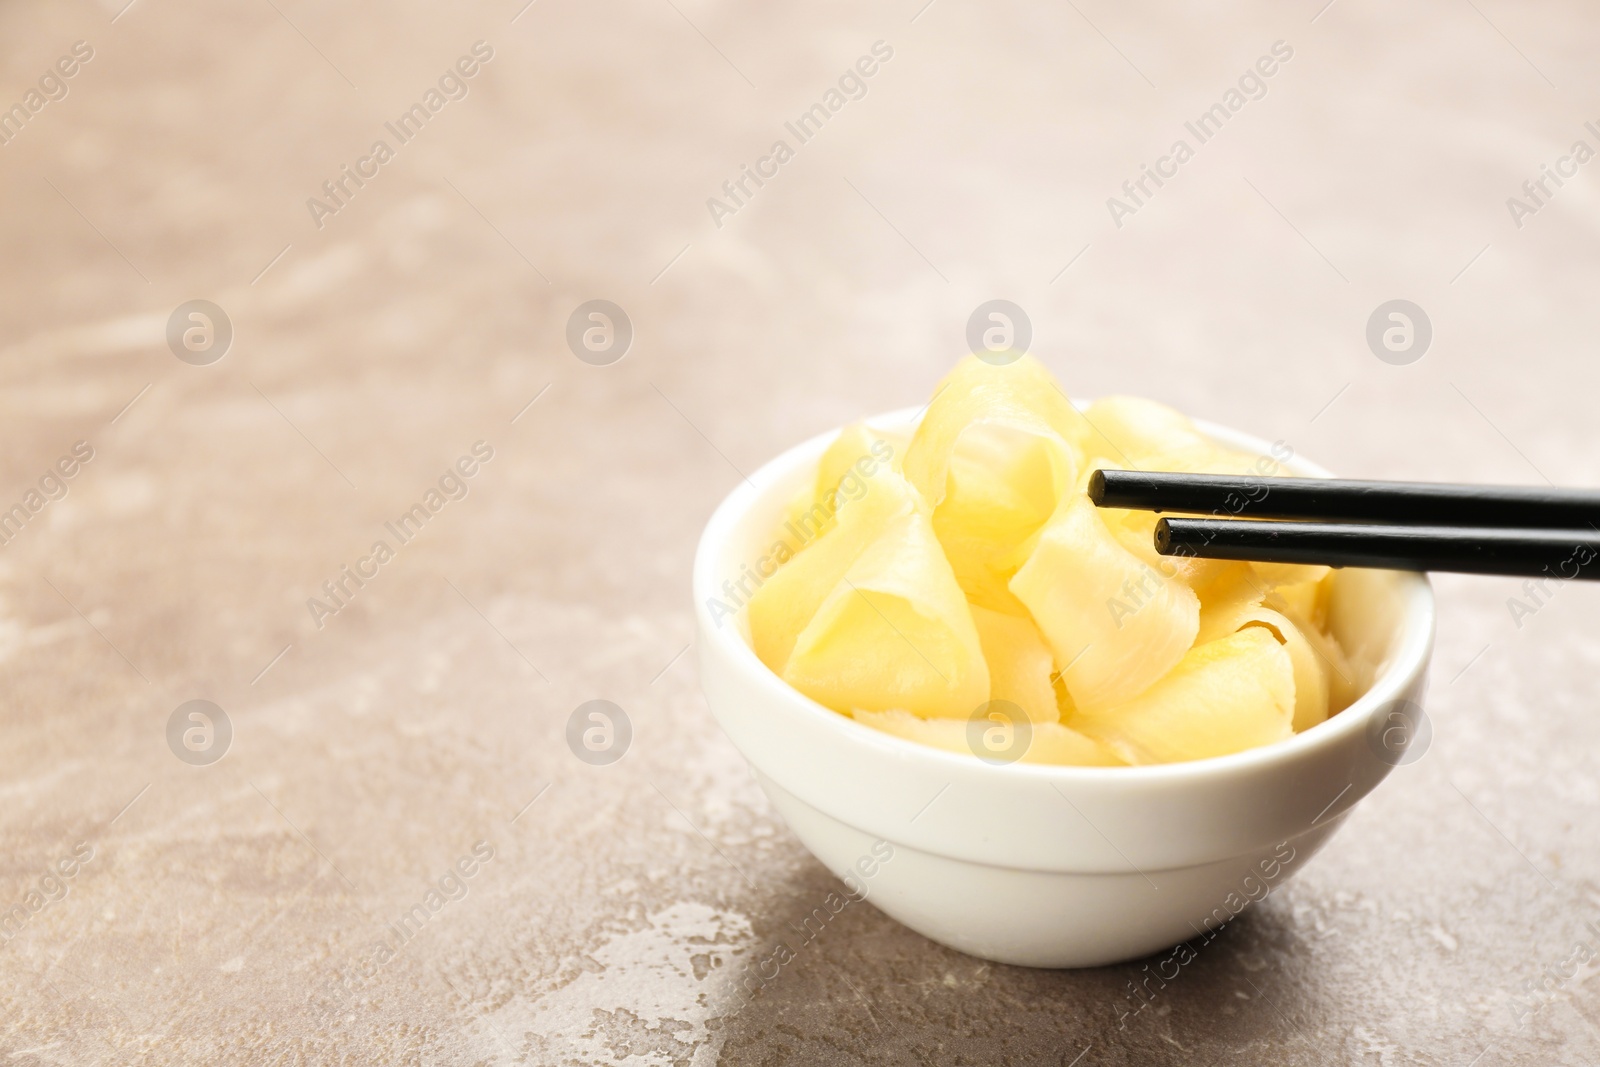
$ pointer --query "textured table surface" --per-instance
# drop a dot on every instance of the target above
(233, 912)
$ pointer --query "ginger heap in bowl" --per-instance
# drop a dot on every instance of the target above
(960, 590)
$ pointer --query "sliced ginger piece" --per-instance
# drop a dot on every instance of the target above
(1114, 624)
(843, 476)
(1291, 574)
(1311, 672)
(1064, 705)
(1344, 678)
(895, 632)
(786, 602)
(1298, 599)
(1048, 742)
(999, 492)
(1228, 600)
(1020, 676)
(1021, 665)
(1123, 430)
(1136, 531)
(1237, 599)
(1021, 395)
(947, 734)
(1225, 696)
(858, 447)
(1062, 745)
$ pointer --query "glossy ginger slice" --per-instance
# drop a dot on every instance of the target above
(1020, 669)
(787, 601)
(1227, 601)
(1238, 598)
(1058, 744)
(894, 632)
(1132, 433)
(1123, 430)
(855, 455)
(1276, 574)
(1225, 696)
(1114, 623)
(1344, 679)
(999, 492)
(1021, 395)
(1135, 531)
(1049, 742)
(1020, 663)
(1311, 689)
(1306, 605)
(1303, 600)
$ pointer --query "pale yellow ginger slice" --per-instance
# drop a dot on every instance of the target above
(1048, 742)
(786, 602)
(1299, 599)
(1064, 705)
(1235, 600)
(1225, 696)
(1345, 679)
(843, 474)
(895, 632)
(1134, 433)
(1114, 623)
(1227, 601)
(1311, 670)
(948, 734)
(1057, 744)
(1123, 430)
(1171, 443)
(862, 447)
(1021, 395)
(1291, 574)
(1135, 531)
(999, 492)
(1021, 665)
(1205, 457)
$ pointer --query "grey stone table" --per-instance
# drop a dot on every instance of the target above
(398, 859)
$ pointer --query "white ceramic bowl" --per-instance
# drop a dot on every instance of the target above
(1038, 865)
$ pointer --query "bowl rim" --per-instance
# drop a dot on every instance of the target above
(1406, 661)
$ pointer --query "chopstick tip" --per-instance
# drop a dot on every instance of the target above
(1163, 537)
(1097, 488)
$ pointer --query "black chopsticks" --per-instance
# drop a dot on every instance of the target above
(1421, 526)
(1462, 549)
(1341, 500)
